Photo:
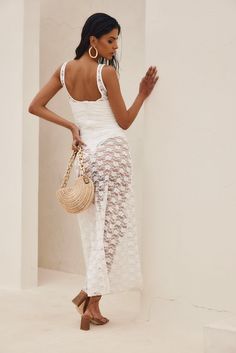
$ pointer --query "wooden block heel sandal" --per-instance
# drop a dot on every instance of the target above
(79, 301)
(86, 318)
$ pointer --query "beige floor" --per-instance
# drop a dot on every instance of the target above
(44, 320)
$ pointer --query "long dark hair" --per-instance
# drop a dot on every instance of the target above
(97, 25)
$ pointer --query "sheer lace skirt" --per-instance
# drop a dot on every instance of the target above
(108, 227)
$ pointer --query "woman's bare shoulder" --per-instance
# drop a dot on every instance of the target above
(109, 74)
(109, 69)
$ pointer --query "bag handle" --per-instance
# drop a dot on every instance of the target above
(70, 164)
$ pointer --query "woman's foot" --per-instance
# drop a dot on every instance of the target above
(91, 308)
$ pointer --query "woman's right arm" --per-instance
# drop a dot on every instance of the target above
(38, 107)
(125, 117)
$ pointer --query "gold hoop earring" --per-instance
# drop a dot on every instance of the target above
(91, 56)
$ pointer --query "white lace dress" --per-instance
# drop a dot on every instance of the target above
(108, 227)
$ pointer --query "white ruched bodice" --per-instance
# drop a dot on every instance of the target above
(94, 118)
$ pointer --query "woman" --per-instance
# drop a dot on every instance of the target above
(107, 227)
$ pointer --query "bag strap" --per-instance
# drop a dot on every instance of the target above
(70, 164)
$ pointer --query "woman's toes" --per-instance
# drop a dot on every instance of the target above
(103, 319)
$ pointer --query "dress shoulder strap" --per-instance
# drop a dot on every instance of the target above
(100, 82)
(62, 73)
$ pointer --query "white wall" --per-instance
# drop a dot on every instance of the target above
(59, 238)
(189, 222)
(19, 144)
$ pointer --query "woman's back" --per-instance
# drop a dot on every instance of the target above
(81, 81)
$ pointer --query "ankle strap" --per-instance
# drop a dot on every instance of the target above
(89, 300)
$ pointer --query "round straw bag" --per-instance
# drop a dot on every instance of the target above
(78, 197)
